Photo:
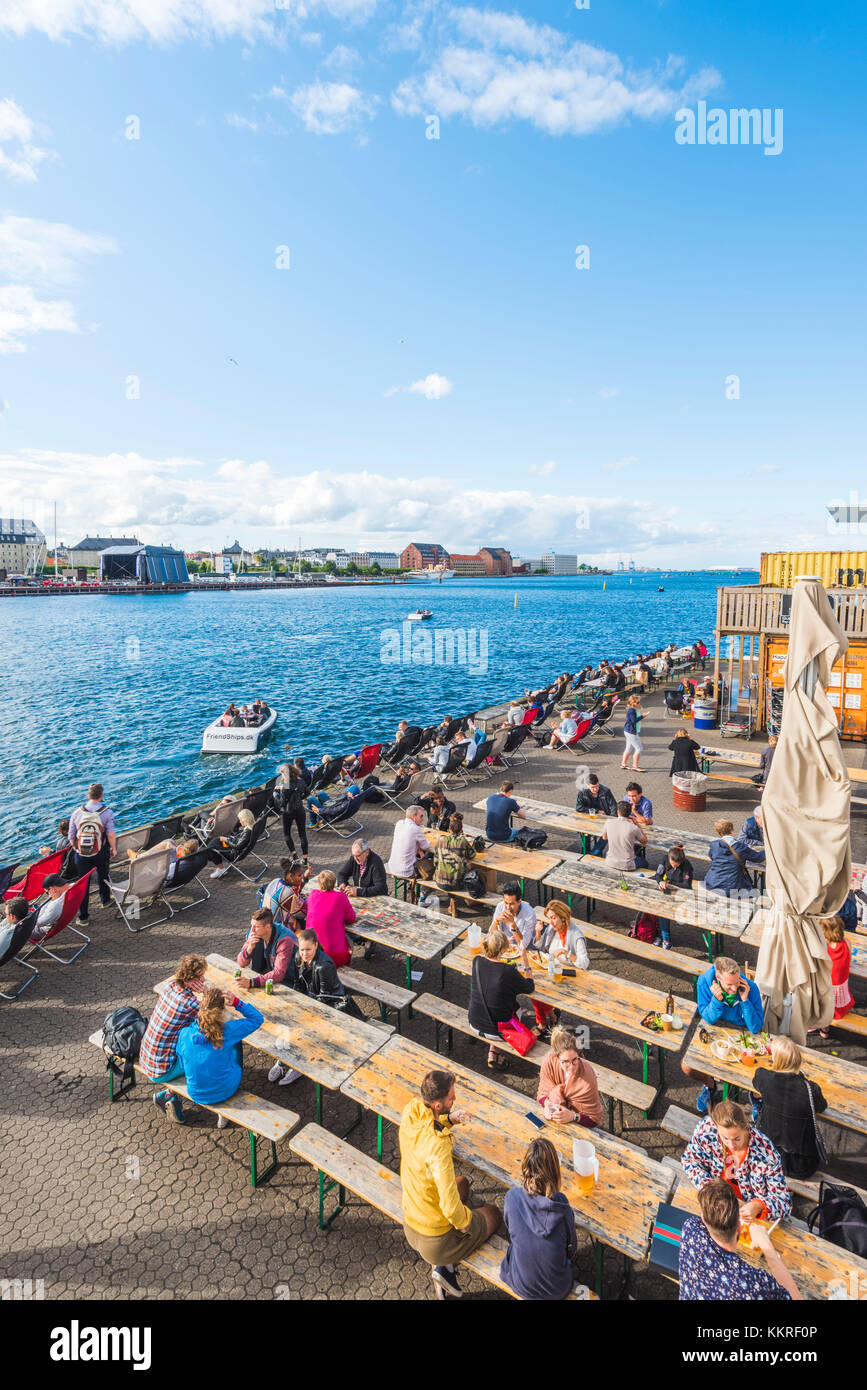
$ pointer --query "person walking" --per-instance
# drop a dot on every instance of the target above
(632, 734)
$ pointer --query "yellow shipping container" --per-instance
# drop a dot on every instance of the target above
(846, 690)
(782, 567)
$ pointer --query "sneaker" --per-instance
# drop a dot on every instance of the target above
(757, 1110)
(218, 873)
(704, 1099)
(666, 944)
(657, 941)
(445, 1282)
(276, 1071)
(81, 921)
(222, 1122)
(170, 1106)
(290, 1076)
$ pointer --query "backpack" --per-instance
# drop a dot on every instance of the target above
(371, 786)
(530, 839)
(841, 1217)
(472, 883)
(645, 927)
(288, 800)
(90, 835)
(122, 1033)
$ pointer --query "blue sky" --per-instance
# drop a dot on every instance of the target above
(431, 364)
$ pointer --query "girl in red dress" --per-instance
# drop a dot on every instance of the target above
(838, 950)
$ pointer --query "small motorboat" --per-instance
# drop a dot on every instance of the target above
(420, 615)
(660, 589)
(219, 739)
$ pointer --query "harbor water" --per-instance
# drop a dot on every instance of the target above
(119, 689)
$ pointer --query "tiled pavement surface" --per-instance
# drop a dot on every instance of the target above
(112, 1202)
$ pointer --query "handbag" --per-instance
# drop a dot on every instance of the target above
(820, 1143)
(517, 1035)
(840, 1217)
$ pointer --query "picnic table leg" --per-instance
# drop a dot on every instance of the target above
(356, 1122)
(122, 1089)
(256, 1177)
(318, 1103)
(324, 1189)
(379, 1137)
(661, 1056)
(583, 842)
(598, 1251)
(409, 984)
(610, 1114)
(708, 942)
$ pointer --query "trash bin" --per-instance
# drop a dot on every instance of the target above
(690, 791)
(704, 713)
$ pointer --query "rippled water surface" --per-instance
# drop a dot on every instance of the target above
(120, 688)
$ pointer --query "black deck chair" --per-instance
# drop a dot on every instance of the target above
(20, 937)
(187, 871)
(453, 772)
(396, 754)
(7, 873)
(347, 813)
(512, 750)
(258, 832)
(479, 764)
(162, 830)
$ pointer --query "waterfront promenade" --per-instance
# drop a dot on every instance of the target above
(111, 1202)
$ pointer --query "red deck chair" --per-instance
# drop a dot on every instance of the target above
(584, 726)
(531, 714)
(72, 900)
(369, 759)
(30, 886)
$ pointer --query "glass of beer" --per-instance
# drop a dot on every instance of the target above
(558, 970)
(474, 938)
(586, 1166)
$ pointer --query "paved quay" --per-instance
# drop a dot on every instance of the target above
(112, 1202)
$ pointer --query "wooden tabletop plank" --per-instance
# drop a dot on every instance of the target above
(843, 1083)
(588, 876)
(605, 999)
(857, 945)
(531, 864)
(414, 931)
(812, 1262)
(322, 1043)
(624, 1199)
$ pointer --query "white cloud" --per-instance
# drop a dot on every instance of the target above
(37, 255)
(342, 59)
(618, 464)
(543, 470)
(607, 393)
(194, 502)
(769, 468)
(327, 108)
(171, 21)
(433, 387)
(242, 122)
(495, 68)
(23, 157)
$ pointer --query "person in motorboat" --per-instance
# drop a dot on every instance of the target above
(227, 718)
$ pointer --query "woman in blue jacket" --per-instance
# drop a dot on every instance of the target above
(728, 871)
(210, 1049)
(541, 1229)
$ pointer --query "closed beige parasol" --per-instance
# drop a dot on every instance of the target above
(805, 809)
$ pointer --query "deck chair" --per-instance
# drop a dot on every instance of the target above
(30, 886)
(673, 704)
(512, 750)
(72, 900)
(225, 821)
(585, 727)
(346, 815)
(130, 840)
(147, 878)
(19, 939)
(6, 876)
(186, 872)
(479, 765)
(498, 743)
(161, 830)
(396, 753)
(330, 773)
(369, 759)
(601, 720)
(453, 773)
(258, 832)
(418, 782)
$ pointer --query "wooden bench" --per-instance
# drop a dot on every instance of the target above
(387, 996)
(619, 941)
(683, 1122)
(261, 1118)
(350, 1170)
(732, 777)
(455, 895)
(619, 1088)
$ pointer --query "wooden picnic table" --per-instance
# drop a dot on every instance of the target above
(843, 1084)
(857, 945)
(322, 1043)
(599, 998)
(630, 1186)
(522, 864)
(813, 1263)
(416, 932)
(714, 915)
(747, 757)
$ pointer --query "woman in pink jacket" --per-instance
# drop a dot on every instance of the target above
(329, 913)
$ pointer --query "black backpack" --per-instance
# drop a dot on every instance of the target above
(473, 884)
(288, 800)
(122, 1033)
(530, 839)
(370, 785)
(841, 1217)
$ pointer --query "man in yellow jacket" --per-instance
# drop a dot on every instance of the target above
(436, 1220)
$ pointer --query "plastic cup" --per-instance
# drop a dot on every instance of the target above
(666, 1022)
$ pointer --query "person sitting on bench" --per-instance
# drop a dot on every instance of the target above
(329, 913)
(269, 950)
(753, 835)
(209, 1050)
(728, 871)
(176, 1007)
(363, 873)
(676, 871)
(710, 1267)
(499, 809)
(724, 995)
(282, 895)
(568, 1090)
(437, 807)
(725, 1145)
(624, 839)
(540, 1225)
(515, 917)
(437, 1222)
(641, 813)
(409, 843)
(453, 854)
(316, 976)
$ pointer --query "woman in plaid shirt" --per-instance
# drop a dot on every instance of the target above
(725, 1145)
(177, 1006)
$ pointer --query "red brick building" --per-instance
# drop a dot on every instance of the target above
(496, 560)
(418, 555)
(467, 565)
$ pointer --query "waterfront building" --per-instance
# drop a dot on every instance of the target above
(496, 560)
(147, 564)
(22, 545)
(467, 566)
(86, 554)
(559, 564)
(420, 555)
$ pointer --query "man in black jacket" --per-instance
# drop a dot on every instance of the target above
(363, 874)
(596, 797)
(437, 807)
(316, 976)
